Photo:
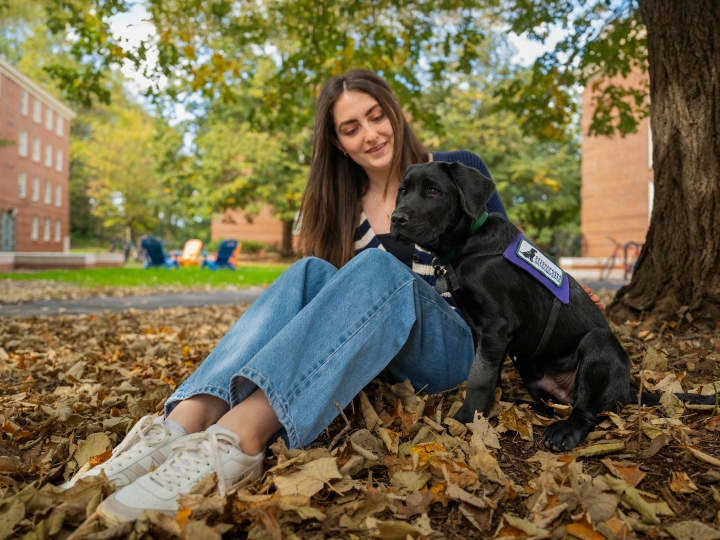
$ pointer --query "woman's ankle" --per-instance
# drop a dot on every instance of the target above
(197, 413)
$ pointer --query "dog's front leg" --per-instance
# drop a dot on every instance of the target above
(482, 381)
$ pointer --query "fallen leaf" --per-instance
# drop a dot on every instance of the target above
(310, 479)
(701, 456)
(11, 518)
(630, 473)
(692, 530)
(654, 360)
(680, 483)
(95, 444)
(672, 405)
(599, 449)
(515, 527)
(513, 420)
(404, 481)
(584, 530)
(370, 417)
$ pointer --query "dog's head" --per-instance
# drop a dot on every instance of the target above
(437, 203)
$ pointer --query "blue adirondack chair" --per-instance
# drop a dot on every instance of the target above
(224, 253)
(157, 258)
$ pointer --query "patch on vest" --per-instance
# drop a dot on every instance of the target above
(526, 255)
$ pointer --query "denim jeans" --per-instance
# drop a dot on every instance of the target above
(319, 335)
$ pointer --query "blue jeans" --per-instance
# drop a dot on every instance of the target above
(319, 335)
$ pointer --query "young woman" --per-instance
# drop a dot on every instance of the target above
(330, 324)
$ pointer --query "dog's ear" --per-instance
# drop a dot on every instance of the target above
(475, 188)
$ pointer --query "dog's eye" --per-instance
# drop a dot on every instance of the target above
(401, 190)
(433, 191)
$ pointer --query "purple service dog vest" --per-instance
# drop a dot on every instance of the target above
(525, 255)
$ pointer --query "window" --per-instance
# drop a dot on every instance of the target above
(24, 102)
(22, 144)
(22, 185)
(36, 151)
(35, 195)
(37, 111)
(48, 155)
(34, 232)
(46, 229)
(48, 118)
(59, 127)
(58, 196)
(48, 193)
(59, 161)
(58, 230)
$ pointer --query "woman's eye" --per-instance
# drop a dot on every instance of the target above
(378, 118)
(433, 191)
(351, 131)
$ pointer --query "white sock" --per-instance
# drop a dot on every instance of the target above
(171, 424)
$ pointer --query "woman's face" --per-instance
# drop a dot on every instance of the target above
(364, 131)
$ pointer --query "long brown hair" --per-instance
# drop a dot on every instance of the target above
(331, 207)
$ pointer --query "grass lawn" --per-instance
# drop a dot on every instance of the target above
(244, 276)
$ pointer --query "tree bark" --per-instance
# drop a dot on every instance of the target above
(679, 267)
(287, 240)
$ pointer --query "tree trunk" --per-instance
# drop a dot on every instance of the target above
(287, 241)
(679, 267)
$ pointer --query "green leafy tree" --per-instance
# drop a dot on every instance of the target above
(118, 161)
(208, 47)
(677, 40)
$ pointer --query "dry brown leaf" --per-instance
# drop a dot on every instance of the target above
(459, 494)
(672, 405)
(692, 530)
(584, 530)
(484, 434)
(11, 518)
(369, 415)
(680, 483)
(94, 445)
(701, 456)
(513, 419)
(630, 473)
(599, 449)
(310, 479)
(405, 481)
(515, 527)
(654, 360)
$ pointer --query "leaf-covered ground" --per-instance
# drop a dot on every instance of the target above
(399, 467)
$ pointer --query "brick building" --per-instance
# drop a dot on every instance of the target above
(617, 182)
(233, 224)
(34, 169)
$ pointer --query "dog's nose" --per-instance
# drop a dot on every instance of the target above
(399, 218)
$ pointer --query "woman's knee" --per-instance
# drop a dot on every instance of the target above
(374, 260)
(311, 265)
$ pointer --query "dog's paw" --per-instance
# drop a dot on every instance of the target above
(563, 435)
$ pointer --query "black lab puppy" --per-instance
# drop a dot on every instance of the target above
(517, 303)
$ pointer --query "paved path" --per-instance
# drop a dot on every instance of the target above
(96, 305)
(189, 299)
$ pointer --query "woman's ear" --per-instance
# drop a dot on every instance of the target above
(336, 144)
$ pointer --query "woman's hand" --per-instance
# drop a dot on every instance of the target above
(594, 297)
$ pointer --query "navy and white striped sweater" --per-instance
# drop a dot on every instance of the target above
(365, 237)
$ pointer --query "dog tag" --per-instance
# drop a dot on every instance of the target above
(441, 280)
(441, 285)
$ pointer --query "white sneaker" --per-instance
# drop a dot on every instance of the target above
(193, 457)
(146, 446)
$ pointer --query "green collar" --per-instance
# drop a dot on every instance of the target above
(443, 258)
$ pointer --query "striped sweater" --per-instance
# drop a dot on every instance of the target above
(365, 237)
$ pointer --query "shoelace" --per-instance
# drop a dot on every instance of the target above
(190, 452)
(142, 431)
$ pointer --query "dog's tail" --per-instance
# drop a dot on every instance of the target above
(649, 398)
